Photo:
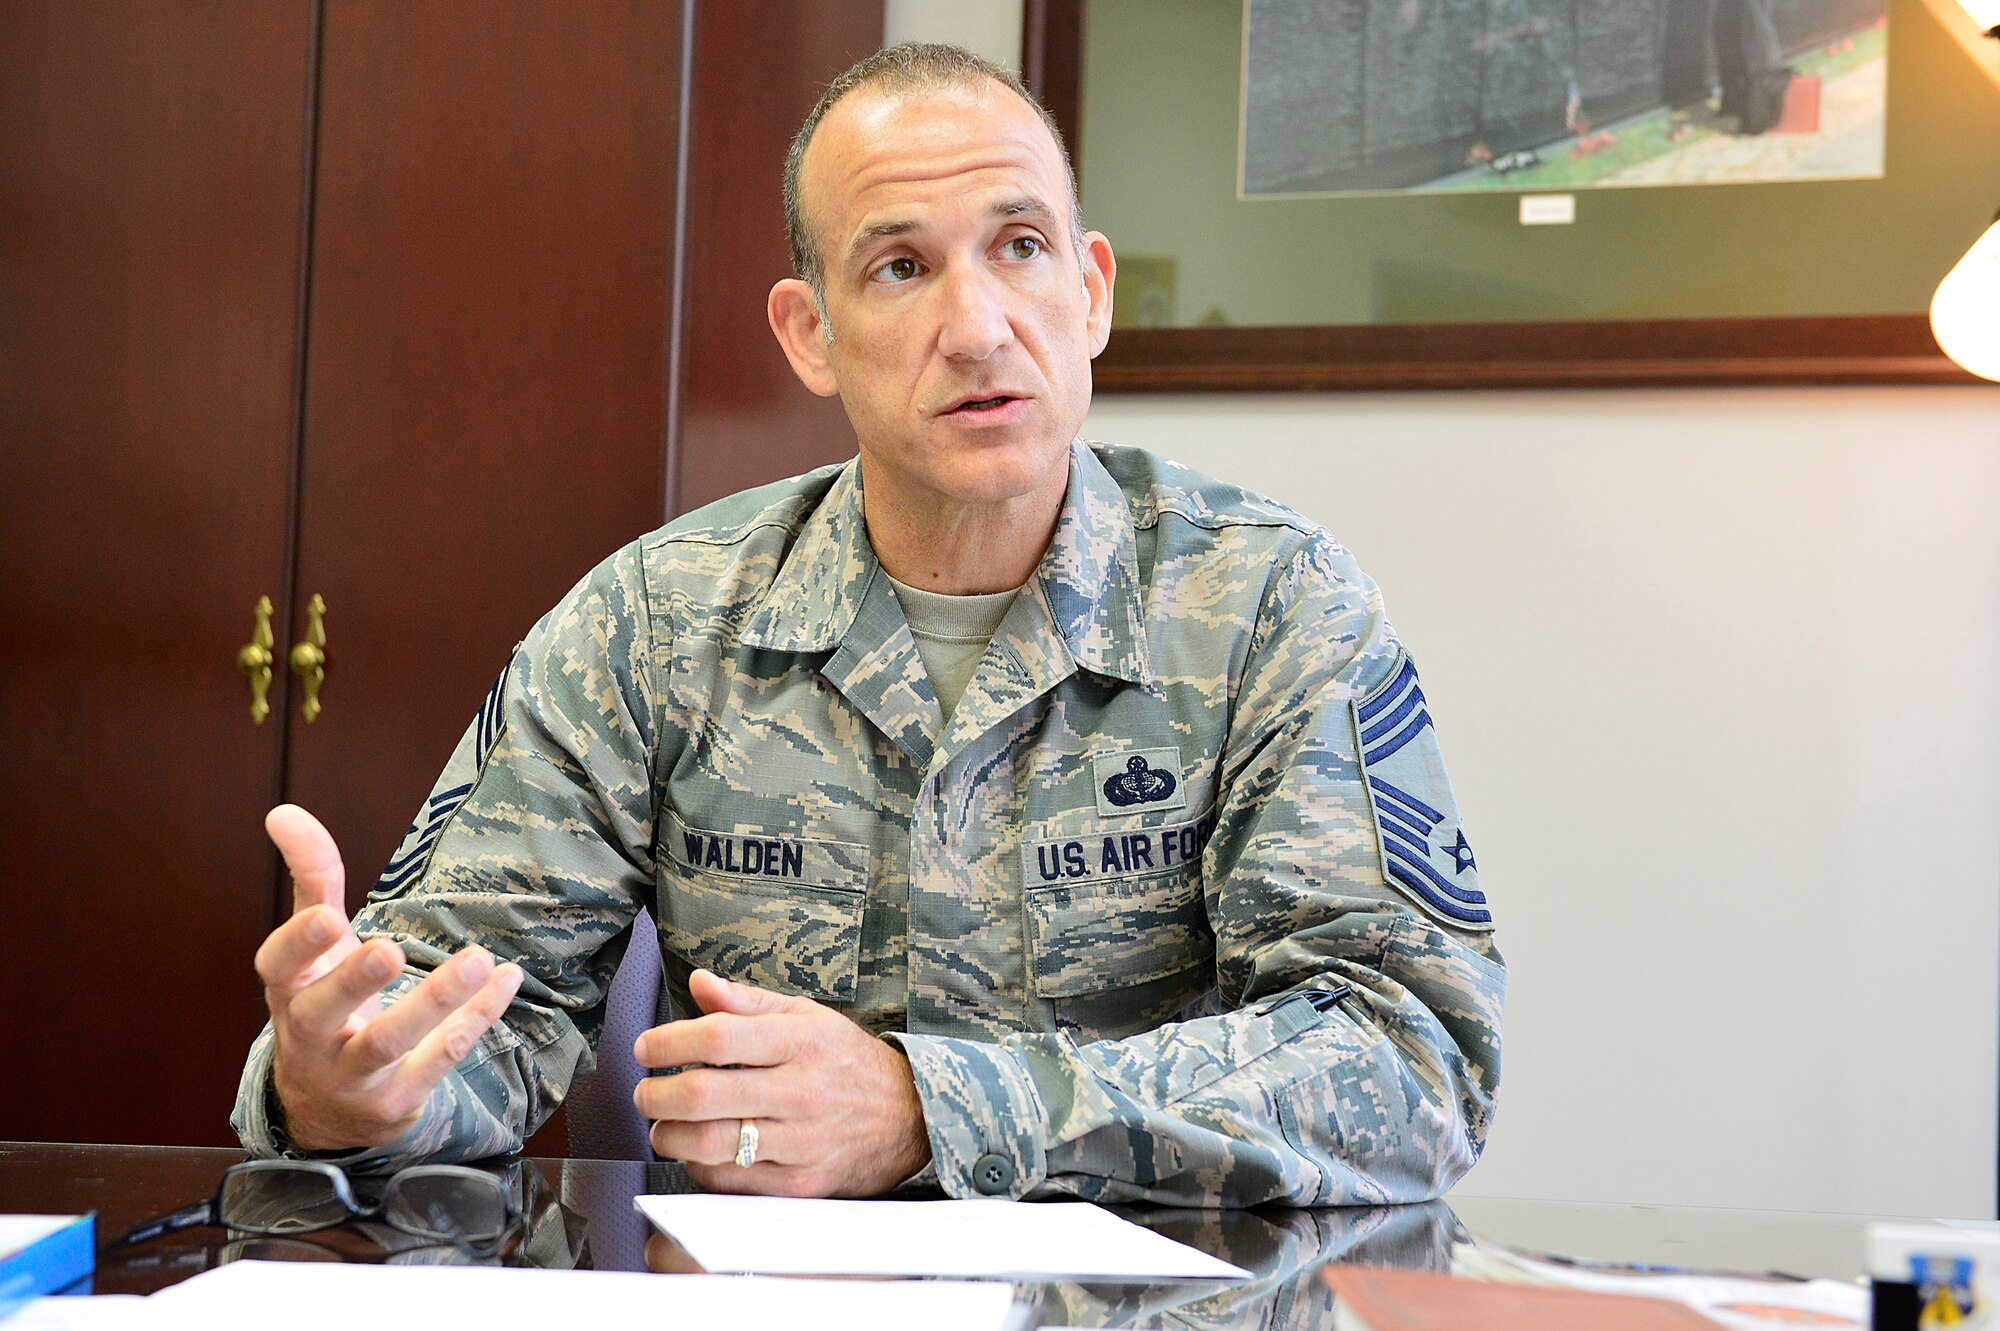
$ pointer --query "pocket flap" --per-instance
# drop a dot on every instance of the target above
(778, 911)
(1091, 937)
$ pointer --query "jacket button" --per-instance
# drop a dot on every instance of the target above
(993, 1174)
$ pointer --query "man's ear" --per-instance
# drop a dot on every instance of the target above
(1100, 270)
(795, 319)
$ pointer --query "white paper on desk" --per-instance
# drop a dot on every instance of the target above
(979, 1238)
(311, 1296)
(78, 1312)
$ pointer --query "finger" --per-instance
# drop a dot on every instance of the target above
(443, 1049)
(305, 948)
(665, 1257)
(318, 1011)
(420, 1011)
(716, 1041)
(719, 1094)
(715, 1142)
(712, 993)
(318, 879)
(764, 1180)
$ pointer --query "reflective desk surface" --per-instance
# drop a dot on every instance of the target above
(579, 1214)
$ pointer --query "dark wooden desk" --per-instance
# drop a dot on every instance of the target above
(579, 1214)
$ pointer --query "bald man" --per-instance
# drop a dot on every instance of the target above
(1020, 815)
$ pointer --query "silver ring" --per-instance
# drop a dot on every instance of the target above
(746, 1144)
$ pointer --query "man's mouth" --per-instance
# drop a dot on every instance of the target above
(975, 405)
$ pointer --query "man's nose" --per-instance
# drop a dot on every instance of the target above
(975, 322)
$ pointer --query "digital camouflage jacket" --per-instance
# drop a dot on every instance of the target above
(1176, 907)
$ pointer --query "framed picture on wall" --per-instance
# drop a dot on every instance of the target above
(1490, 193)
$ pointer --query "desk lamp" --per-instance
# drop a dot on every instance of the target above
(1965, 312)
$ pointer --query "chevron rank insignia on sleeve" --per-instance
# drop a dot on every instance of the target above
(1424, 848)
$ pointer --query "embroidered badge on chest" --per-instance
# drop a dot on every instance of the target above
(1138, 781)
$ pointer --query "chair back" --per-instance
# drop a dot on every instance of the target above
(601, 1120)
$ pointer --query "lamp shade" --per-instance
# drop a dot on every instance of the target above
(1986, 13)
(1965, 312)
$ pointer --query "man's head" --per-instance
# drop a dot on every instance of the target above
(947, 291)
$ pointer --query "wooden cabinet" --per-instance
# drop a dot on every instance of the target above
(419, 307)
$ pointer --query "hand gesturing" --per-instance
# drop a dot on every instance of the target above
(349, 1071)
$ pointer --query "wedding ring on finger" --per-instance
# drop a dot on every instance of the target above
(746, 1144)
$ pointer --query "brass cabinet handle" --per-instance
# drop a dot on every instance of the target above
(309, 657)
(255, 661)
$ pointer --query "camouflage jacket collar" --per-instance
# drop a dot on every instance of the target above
(811, 603)
(1090, 573)
(1089, 576)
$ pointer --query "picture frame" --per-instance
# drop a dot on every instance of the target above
(1765, 349)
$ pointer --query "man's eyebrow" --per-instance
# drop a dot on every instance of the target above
(1031, 208)
(868, 235)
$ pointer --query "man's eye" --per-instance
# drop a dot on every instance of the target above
(1024, 247)
(896, 270)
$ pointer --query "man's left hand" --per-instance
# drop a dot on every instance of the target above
(836, 1110)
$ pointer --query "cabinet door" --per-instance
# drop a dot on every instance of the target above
(152, 172)
(485, 395)
(741, 417)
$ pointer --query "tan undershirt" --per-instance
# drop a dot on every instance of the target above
(951, 633)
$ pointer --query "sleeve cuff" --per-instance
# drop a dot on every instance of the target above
(258, 1121)
(252, 1117)
(985, 1121)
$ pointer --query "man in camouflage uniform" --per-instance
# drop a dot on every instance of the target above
(1150, 886)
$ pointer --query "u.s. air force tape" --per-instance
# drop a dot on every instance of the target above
(1424, 849)
(1112, 852)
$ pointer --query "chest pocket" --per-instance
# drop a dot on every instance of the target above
(1118, 936)
(779, 911)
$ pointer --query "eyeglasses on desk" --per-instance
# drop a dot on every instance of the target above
(451, 1204)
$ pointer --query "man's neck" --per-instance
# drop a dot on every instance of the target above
(961, 549)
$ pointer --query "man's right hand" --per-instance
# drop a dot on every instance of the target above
(349, 1071)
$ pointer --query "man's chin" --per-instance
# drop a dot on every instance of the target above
(997, 470)
(971, 467)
